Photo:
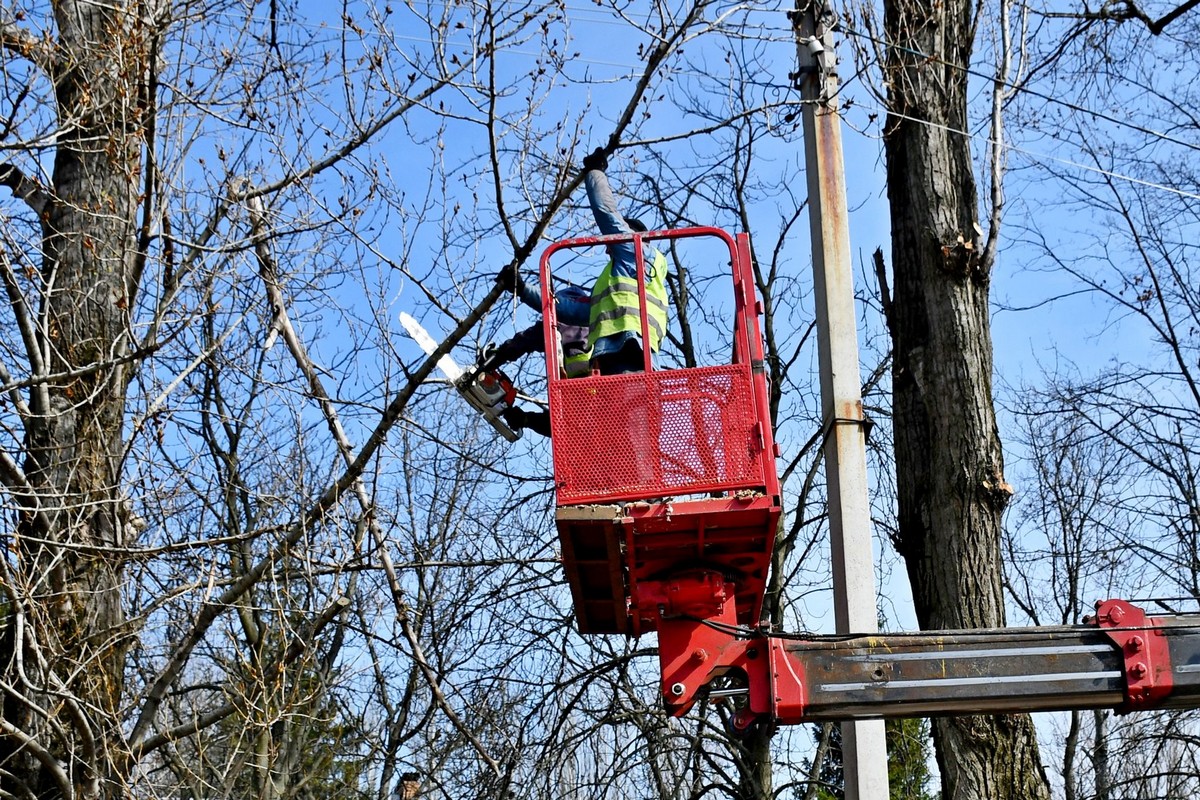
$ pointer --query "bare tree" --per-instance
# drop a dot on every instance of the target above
(1103, 221)
(950, 477)
(252, 550)
(1062, 545)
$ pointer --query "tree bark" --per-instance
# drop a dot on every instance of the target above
(73, 521)
(949, 465)
(754, 768)
(1100, 754)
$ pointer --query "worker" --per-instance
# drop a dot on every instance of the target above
(614, 323)
(574, 355)
(605, 326)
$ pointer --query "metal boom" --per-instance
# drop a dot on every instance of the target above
(1122, 659)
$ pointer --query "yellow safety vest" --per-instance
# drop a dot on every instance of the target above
(578, 365)
(574, 365)
(615, 307)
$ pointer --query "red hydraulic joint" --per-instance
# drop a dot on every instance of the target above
(700, 644)
(1122, 659)
(1143, 643)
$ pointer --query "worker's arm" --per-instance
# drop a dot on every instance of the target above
(610, 221)
(604, 204)
(572, 305)
(530, 340)
(530, 295)
(510, 278)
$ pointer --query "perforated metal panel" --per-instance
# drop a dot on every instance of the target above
(664, 433)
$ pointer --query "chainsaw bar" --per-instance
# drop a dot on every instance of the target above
(488, 393)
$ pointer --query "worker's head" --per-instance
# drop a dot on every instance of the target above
(638, 227)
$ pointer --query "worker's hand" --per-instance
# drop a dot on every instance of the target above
(597, 159)
(487, 358)
(514, 417)
(509, 278)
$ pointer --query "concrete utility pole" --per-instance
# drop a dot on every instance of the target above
(863, 744)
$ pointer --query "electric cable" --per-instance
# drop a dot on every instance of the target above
(589, 13)
(884, 42)
(591, 16)
(1025, 90)
(1047, 157)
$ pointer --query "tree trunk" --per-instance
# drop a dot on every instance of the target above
(1100, 754)
(754, 768)
(950, 472)
(73, 520)
(1070, 755)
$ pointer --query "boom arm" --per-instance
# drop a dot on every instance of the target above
(1122, 659)
(667, 504)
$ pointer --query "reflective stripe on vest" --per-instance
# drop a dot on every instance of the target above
(615, 306)
(576, 358)
(578, 365)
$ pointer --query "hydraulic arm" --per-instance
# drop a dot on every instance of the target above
(1121, 659)
(667, 504)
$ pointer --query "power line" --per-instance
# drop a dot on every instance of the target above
(852, 32)
(1046, 157)
(591, 16)
(1026, 90)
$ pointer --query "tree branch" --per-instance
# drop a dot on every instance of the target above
(53, 766)
(298, 646)
(19, 41)
(24, 187)
(283, 324)
(1122, 10)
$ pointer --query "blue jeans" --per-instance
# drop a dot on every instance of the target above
(622, 362)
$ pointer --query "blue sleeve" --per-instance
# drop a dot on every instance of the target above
(530, 340)
(531, 295)
(573, 305)
(573, 308)
(610, 221)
